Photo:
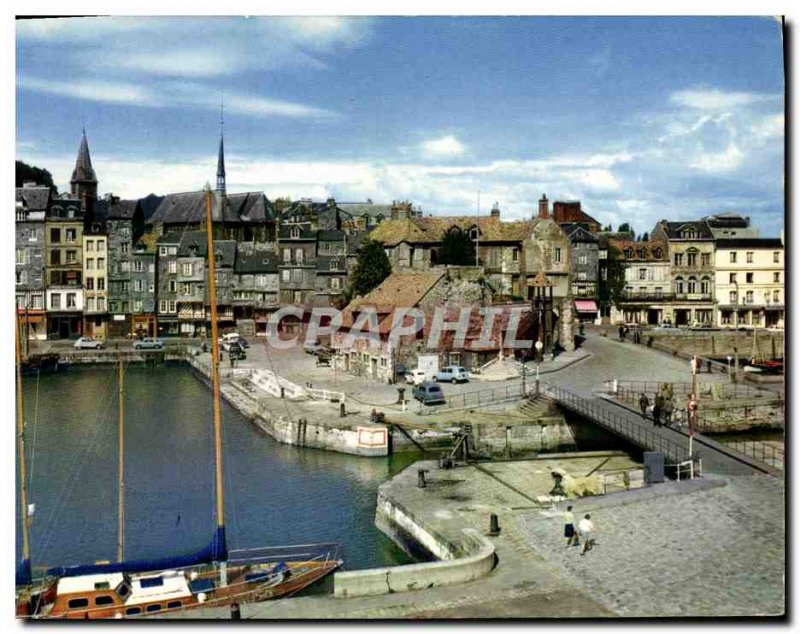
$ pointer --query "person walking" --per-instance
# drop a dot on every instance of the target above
(659, 403)
(569, 528)
(644, 403)
(585, 530)
(621, 332)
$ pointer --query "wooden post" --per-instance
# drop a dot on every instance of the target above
(121, 471)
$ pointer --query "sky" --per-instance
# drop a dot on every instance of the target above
(640, 119)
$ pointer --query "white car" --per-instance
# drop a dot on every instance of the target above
(88, 342)
(225, 341)
(415, 377)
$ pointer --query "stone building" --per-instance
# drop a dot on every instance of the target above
(255, 288)
(691, 255)
(647, 296)
(143, 287)
(331, 267)
(167, 283)
(125, 224)
(750, 282)
(314, 216)
(297, 263)
(32, 202)
(584, 268)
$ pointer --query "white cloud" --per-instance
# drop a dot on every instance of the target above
(173, 95)
(446, 146)
(768, 128)
(714, 99)
(728, 160)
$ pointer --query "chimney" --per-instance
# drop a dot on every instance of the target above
(544, 208)
(495, 211)
(400, 210)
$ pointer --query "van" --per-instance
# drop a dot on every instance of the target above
(428, 393)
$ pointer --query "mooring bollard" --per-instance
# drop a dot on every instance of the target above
(421, 478)
(282, 395)
(342, 412)
(494, 525)
(236, 612)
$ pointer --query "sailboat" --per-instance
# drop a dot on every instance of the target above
(212, 577)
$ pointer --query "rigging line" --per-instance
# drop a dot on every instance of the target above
(33, 439)
(66, 493)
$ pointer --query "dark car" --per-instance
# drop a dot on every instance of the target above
(236, 351)
(428, 393)
(243, 342)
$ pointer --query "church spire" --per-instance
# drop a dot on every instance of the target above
(84, 180)
(221, 157)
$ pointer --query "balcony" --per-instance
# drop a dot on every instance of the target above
(647, 296)
(693, 297)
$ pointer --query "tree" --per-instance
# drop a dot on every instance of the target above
(27, 173)
(625, 227)
(457, 249)
(614, 286)
(372, 267)
(645, 237)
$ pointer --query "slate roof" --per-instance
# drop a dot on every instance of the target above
(432, 229)
(195, 244)
(749, 243)
(306, 233)
(331, 235)
(366, 208)
(83, 172)
(649, 248)
(34, 198)
(121, 209)
(577, 232)
(256, 262)
(149, 205)
(673, 229)
(727, 219)
(190, 207)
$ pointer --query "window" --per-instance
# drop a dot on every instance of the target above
(335, 283)
(642, 274)
(692, 286)
(297, 297)
(154, 607)
(733, 257)
(36, 302)
(101, 303)
(187, 269)
(748, 278)
(297, 275)
(70, 235)
(173, 604)
(101, 264)
(285, 275)
(173, 286)
(133, 611)
(186, 289)
(55, 235)
(71, 300)
(126, 287)
(124, 266)
(334, 264)
(558, 254)
(171, 304)
(776, 257)
(749, 257)
(89, 245)
(776, 277)
(55, 258)
(137, 305)
(705, 260)
(679, 259)
(101, 246)
(628, 253)
(33, 235)
(731, 278)
(172, 267)
(72, 257)
(748, 298)
(657, 253)
(89, 283)
(22, 277)
(162, 251)
(298, 255)
(705, 286)
(679, 285)
(55, 301)
(89, 264)
(125, 247)
(514, 255)
(73, 604)
(658, 291)
(21, 256)
(101, 283)
(776, 296)
(295, 232)
(582, 258)
(691, 259)
(725, 317)
(162, 306)
(287, 255)
(261, 280)
(172, 250)
(138, 286)
(138, 266)
(733, 297)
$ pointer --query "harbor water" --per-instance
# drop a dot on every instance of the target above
(274, 494)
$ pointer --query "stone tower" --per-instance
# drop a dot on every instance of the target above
(83, 184)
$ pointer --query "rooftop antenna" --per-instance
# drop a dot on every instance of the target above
(477, 222)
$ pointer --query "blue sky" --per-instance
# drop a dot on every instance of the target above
(639, 118)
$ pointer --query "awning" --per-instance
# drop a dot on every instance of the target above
(585, 306)
(35, 319)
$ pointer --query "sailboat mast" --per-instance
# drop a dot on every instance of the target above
(23, 499)
(212, 298)
(121, 471)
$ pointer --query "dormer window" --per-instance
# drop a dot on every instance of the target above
(334, 264)
(657, 253)
(473, 233)
(642, 254)
(295, 233)
(628, 253)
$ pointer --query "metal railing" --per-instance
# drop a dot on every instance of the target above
(724, 391)
(635, 432)
(478, 398)
(758, 450)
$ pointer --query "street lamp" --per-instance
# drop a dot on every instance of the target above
(736, 331)
(730, 358)
(538, 345)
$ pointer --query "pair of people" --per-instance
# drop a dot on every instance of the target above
(584, 531)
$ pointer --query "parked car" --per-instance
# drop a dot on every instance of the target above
(236, 351)
(88, 342)
(243, 342)
(453, 373)
(225, 340)
(415, 377)
(428, 393)
(149, 343)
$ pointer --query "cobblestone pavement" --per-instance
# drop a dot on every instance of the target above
(718, 552)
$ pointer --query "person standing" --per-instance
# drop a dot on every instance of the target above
(644, 403)
(585, 530)
(659, 403)
(621, 332)
(569, 528)
(668, 407)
